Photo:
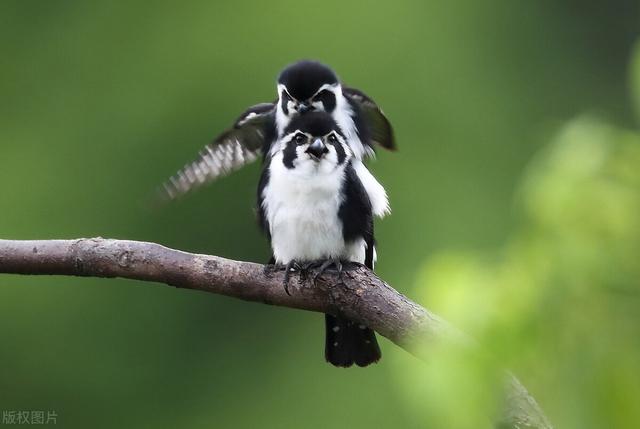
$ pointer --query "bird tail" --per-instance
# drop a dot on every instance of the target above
(348, 343)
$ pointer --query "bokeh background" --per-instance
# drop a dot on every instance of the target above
(515, 196)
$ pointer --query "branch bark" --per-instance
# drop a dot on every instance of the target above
(359, 294)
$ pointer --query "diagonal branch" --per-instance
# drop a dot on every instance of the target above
(359, 295)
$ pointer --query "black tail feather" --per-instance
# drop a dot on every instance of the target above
(348, 343)
(338, 349)
(367, 350)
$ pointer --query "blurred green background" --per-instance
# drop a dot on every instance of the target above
(515, 196)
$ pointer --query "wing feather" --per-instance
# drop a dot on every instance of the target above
(240, 145)
(379, 127)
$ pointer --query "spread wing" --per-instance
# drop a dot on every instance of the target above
(240, 145)
(380, 129)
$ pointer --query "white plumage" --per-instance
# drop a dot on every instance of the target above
(301, 205)
(375, 191)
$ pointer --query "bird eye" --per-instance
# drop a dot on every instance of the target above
(332, 138)
(300, 138)
(319, 96)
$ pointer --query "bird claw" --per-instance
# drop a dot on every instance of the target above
(303, 268)
(292, 267)
(325, 265)
(269, 269)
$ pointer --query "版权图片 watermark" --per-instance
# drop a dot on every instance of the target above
(29, 417)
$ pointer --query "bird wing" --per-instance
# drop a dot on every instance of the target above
(378, 124)
(240, 145)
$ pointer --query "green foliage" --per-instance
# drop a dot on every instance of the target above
(560, 302)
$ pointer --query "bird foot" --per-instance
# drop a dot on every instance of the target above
(292, 267)
(337, 263)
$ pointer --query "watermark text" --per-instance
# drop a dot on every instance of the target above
(29, 417)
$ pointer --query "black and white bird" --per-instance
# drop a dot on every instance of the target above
(304, 86)
(313, 207)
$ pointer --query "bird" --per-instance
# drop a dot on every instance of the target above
(302, 87)
(315, 211)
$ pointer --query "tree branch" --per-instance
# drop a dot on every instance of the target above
(361, 296)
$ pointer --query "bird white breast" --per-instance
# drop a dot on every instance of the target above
(302, 211)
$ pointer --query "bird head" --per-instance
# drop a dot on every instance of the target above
(307, 86)
(314, 143)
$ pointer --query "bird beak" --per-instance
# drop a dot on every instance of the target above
(303, 108)
(317, 148)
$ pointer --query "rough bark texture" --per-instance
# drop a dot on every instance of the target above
(360, 296)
